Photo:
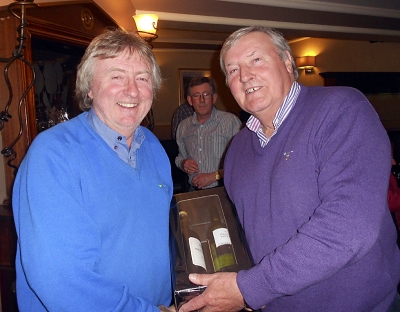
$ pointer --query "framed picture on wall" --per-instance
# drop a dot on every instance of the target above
(185, 75)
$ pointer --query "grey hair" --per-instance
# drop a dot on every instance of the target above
(110, 44)
(276, 37)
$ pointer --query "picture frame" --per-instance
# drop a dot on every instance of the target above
(185, 75)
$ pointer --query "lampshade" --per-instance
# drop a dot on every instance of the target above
(305, 61)
(146, 24)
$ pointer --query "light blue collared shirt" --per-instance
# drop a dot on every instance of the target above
(255, 125)
(116, 141)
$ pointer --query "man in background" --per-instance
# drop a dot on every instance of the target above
(81, 203)
(203, 138)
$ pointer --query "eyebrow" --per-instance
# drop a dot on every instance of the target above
(118, 69)
(115, 69)
(251, 54)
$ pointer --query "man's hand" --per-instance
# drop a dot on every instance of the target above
(203, 179)
(221, 294)
(190, 166)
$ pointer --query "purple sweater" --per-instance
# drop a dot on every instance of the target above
(313, 205)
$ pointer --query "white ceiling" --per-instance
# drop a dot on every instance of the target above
(385, 8)
(208, 22)
(205, 24)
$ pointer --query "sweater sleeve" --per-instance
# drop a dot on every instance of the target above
(59, 244)
(349, 145)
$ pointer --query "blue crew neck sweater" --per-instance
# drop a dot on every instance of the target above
(92, 231)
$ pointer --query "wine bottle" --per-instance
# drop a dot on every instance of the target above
(220, 244)
(194, 256)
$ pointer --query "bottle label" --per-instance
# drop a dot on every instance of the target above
(197, 252)
(223, 261)
(221, 237)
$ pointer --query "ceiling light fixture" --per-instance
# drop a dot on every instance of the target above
(146, 25)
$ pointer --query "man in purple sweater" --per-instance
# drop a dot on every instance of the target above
(309, 178)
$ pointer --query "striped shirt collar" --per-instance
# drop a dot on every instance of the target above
(254, 124)
(211, 118)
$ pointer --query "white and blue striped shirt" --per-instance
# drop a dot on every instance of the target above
(206, 143)
(255, 125)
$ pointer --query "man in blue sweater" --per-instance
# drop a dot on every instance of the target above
(309, 178)
(91, 198)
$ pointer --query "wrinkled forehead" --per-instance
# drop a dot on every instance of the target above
(126, 53)
(249, 45)
(204, 87)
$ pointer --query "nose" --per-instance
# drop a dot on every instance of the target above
(246, 74)
(131, 88)
(202, 98)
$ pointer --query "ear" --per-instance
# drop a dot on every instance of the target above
(90, 94)
(288, 62)
(215, 98)
(189, 99)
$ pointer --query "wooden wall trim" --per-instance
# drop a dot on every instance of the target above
(74, 23)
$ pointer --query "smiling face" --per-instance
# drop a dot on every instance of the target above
(257, 77)
(122, 92)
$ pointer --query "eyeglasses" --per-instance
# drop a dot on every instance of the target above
(206, 96)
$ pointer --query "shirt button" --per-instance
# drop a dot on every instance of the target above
(119, 138)
(115, 147)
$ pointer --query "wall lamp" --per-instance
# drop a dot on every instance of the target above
(146, 25)
(306, 62)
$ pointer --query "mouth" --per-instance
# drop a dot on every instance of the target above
(251, 90)
(127, 105)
